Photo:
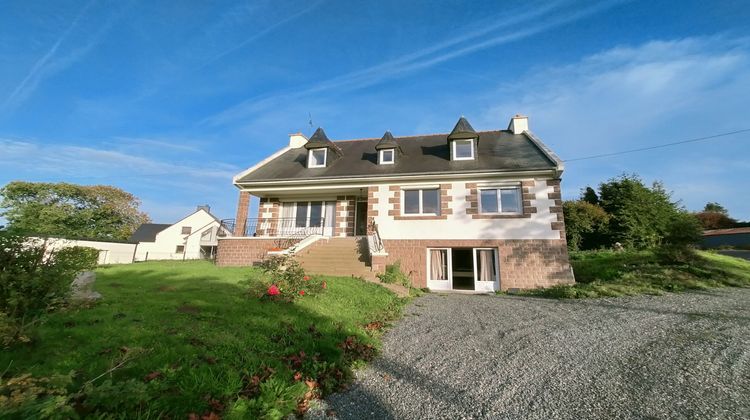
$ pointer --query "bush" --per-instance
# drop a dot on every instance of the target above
(35, 279)
(682, 234)
(393, 274)
(585, 225)
(286, 280)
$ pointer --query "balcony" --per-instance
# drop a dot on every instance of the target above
(291, 227)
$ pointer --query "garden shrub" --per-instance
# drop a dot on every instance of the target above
(393, 274)
(682, 234)
(35, 279)
(285, 280)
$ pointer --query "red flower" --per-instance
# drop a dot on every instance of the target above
(325, 285)
(306, 278)
(301, 292)
(273, 290)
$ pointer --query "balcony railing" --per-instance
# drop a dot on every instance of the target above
(290, 227)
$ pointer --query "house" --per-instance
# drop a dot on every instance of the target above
(734, 237)
(193, 237)
(464, 210)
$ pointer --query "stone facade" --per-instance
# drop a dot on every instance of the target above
(242, 251)
(524, 264)
(345, 211)
(269, 211)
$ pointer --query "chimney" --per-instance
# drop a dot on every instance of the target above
(519, 124)
(297, 140)
(205, 207)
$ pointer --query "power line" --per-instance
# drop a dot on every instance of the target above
(660, 145)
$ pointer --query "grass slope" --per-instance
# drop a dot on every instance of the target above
(200, 344)
(607, 273)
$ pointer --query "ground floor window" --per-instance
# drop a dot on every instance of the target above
(474, 269)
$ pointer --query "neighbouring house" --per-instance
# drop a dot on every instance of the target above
(464, 210)
(734, 237)
(193, 237)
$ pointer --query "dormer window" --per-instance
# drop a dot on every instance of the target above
(463, 149)
(387, 156)
(316, 158)
(387, 149)
(318, 148)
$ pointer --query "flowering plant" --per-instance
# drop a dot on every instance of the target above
(285, 279)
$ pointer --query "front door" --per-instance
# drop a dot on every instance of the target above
(360, 219)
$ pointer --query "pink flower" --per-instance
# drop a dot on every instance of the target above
(273, 290)
(301, 292)
(306, 278)
(325, 285)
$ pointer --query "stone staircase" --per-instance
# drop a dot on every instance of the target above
(342, 257)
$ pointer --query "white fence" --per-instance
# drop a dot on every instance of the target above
(109, 252)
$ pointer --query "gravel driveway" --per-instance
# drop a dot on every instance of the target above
(461, 356)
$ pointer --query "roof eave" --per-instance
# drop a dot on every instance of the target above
(559, 163)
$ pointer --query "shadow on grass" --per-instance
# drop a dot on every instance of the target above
(203, 334)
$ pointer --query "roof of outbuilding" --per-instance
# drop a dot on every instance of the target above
(147, 232)
(498, 151)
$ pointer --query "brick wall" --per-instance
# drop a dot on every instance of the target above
(243, 206)
(243, 251)
(524, 264)
(345, 210)
(269, 210)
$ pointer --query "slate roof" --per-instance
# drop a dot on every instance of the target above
(387, 142)
(147, 232)
(498, 151)
(319, 139)
(462, 130)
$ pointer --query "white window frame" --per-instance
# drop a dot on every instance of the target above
(440, 284)
(499, 199)
(177, 249)
(421, 207)
(455, 142)
(311, 160)
(381, 157)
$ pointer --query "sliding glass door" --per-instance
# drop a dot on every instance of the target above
(309, 216)
(470, 269)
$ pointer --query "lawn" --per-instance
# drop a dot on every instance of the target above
(174, 338)
(609, 273)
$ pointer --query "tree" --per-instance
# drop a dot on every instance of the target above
(715, 220)
(589, 195)
(715, 208)
(639, 215)
(585, 225)
(69, 210)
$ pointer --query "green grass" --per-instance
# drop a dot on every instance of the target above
(193, 326)
(610, 274)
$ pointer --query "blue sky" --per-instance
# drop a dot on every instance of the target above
(168, 100)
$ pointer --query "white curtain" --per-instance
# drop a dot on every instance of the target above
(438, 264)
(486, 259)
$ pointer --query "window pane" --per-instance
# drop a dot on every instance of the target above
(463, 148)
(316, 213)
(319, 157)
(411, 201)
(301, 219)
(387, 155)
(431, 201)
(438, 264)
(489, 201)
(511, 200)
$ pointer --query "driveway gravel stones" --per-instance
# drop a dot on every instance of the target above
(461, 356)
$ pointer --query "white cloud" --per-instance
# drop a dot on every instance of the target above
(495, 31)
(644, 95)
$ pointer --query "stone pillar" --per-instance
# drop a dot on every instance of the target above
(243, 206)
